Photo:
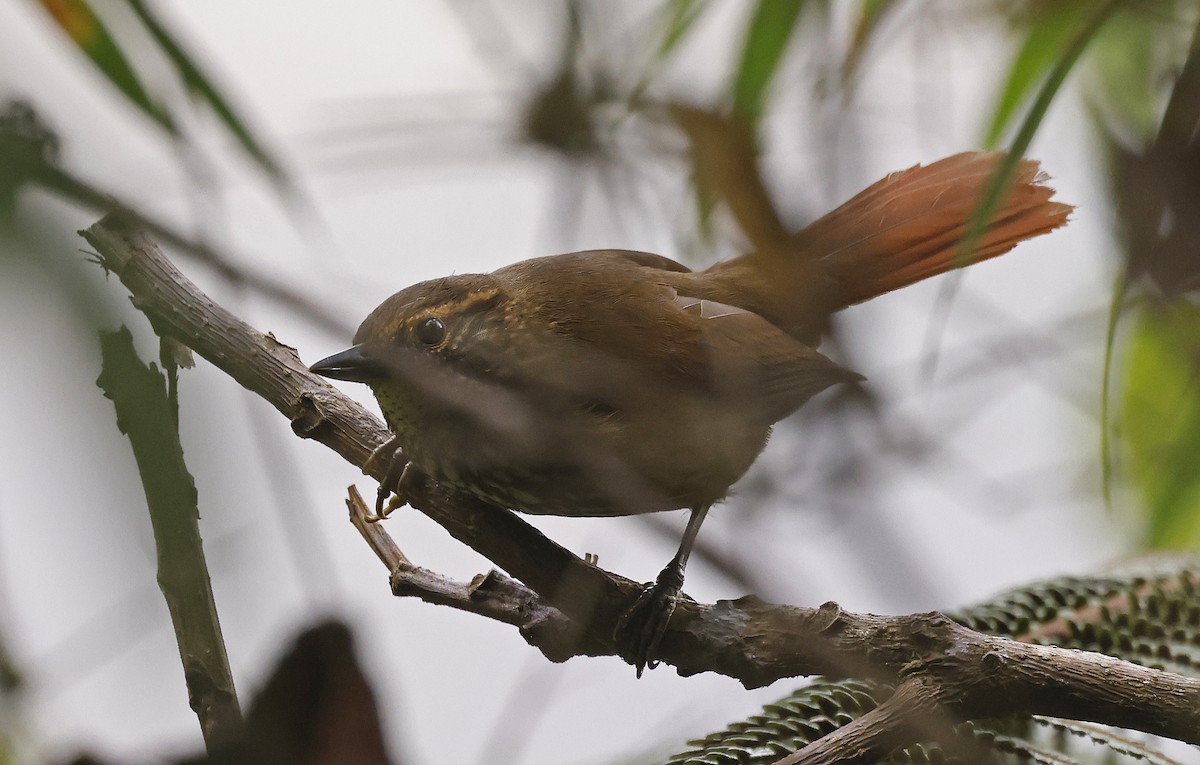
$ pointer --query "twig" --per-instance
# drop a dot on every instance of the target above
(973, 675)
(145, 414)
(492, 595)
(380, 542)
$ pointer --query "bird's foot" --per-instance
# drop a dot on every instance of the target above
(397, 472)
(641, 628)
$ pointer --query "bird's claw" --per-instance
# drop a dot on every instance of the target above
(641, 628)
(395, 475)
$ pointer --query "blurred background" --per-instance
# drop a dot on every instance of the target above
(1033, 416)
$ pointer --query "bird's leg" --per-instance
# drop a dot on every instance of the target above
(645, 622)
(390, 488)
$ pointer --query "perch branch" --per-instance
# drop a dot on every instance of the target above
(492, 595)
(971, 674)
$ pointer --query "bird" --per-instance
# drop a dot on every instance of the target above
(619, 382)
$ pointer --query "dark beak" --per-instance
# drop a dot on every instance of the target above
(352, 364)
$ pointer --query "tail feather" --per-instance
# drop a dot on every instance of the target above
(908, 226)
(905, 228)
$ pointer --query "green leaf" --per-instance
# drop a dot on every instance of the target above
(1085, 29)
(1160, 422)
(767, 36)
(680, 15)
(677, 18)
(81, 24)
(1132, 68)
(1081, 35)
(202, 88)
(870, 15)
(1030, 66)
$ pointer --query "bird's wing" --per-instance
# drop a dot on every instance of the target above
(627, 322)
(752, 361)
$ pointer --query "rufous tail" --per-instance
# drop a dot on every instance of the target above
(905, 228)
(910, 225)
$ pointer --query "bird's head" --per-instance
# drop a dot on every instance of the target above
(425, 349)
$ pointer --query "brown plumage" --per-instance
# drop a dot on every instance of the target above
(613, 382)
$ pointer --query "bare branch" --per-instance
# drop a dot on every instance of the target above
(970, 674)
(492, 595)
(146, 414)
(372, 533)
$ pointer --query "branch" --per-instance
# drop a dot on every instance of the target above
(492, 595)
(969, 674)
(145, 414)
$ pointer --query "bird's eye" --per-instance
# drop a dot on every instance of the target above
(431, 331)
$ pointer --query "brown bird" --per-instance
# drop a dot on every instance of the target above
(613, 382)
